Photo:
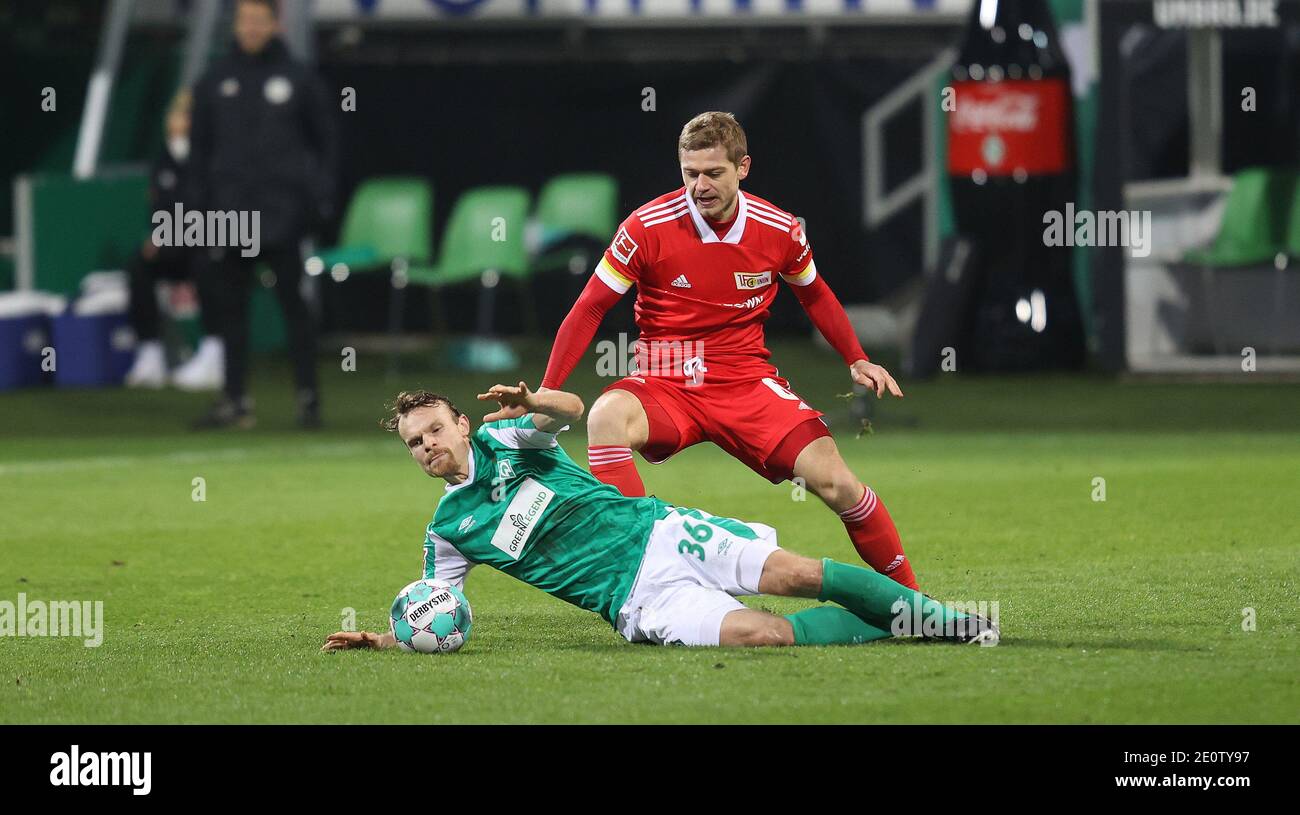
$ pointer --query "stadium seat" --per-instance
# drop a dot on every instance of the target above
(483, 241)
(1250, 229)
(573, 208)
(1251, 234)
(475, 241)
(1285, 267)
(388, 220)
(387, 227)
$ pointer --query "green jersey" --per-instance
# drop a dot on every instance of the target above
(530, 511)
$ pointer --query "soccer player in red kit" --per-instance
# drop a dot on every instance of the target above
(705, 259)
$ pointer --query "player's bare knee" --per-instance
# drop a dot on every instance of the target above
(827, 489)
(786, 574)
(803, 577)
(848, 487)
(609, 420)
(748, 628)
(775, 632)
(806, 577)
(820, 466)
(839, 488)
(769, 632)
(833, 482)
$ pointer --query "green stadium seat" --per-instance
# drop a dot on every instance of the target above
(1260, 227)
(474, 241)
(387, 227)
(574, 205)
(576, 216)
(388, 220)
(484, 242)
(1251, 227)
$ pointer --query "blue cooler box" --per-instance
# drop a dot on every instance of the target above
(93, 351)
(22, 340)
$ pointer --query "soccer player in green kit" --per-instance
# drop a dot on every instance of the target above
(655, 571)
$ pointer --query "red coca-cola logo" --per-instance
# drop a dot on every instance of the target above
(1009, 111)
(1013, 127)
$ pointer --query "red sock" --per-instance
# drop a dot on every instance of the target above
(876, 539)
(614, 465)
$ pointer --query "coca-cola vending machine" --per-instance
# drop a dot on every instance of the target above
(1010, 161)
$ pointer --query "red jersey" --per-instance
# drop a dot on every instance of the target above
(696, 287)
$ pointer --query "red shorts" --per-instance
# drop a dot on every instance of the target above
(749, 419)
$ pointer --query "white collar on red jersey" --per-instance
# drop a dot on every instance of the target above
(707, 235)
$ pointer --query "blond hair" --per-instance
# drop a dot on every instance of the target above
(715, 128)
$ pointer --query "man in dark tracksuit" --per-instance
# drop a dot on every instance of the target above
(263, 141)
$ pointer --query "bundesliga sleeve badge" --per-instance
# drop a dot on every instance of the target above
(796, 232)
(623, 247)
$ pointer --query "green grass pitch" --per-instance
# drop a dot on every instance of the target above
(1127, 610)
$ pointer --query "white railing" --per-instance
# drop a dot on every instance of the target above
(878, 204)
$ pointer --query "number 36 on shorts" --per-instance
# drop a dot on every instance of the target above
(702, 531)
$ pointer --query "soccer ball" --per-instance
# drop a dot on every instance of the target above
(430, 616)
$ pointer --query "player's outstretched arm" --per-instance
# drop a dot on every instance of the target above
(343, 640)
(550, 409)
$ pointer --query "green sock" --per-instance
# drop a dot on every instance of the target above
(878, 600)
(828, 625)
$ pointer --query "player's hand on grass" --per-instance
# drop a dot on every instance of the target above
(515, 401)
(343, 640)
(871, 375)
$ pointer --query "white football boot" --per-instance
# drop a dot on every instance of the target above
(150, 367)
(206, 370)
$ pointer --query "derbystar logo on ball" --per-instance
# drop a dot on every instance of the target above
(430, 617)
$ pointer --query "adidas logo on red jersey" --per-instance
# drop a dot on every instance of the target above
(681, 282)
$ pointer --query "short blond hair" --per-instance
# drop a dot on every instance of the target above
(715, 128)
